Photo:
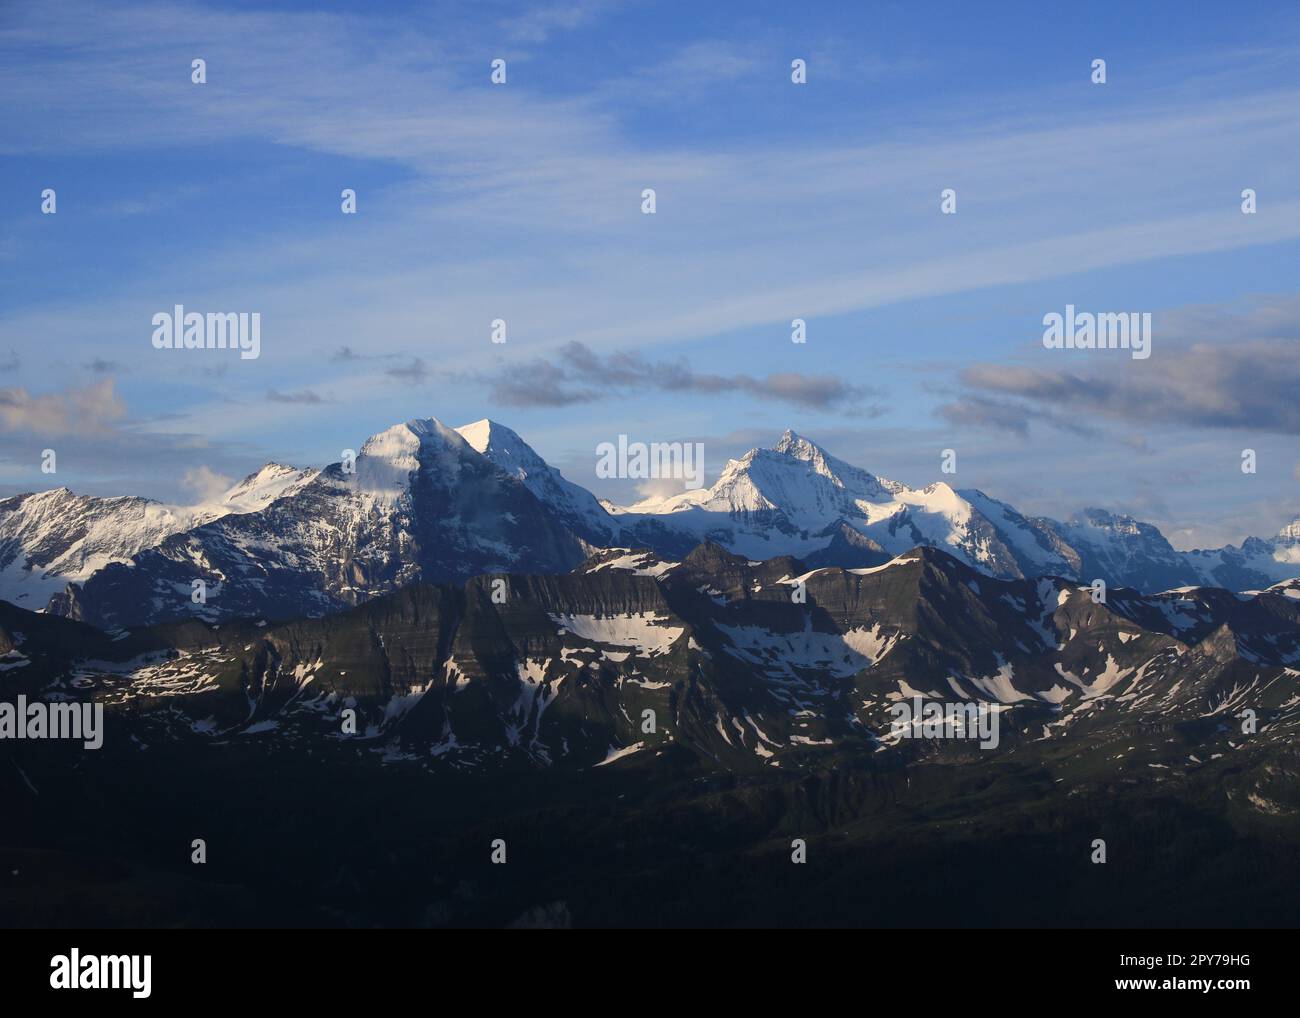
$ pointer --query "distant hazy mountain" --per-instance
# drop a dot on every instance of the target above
(1258, 562)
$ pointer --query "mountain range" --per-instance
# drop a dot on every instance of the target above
(649, 735)
(402, 660)
(734, 668)
(427, 503)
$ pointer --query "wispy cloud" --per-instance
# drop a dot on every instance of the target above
(307, 397)
(1211, 368)
(980, 412)
(206, 483)
(71, 411)
(414, 371)
(576, 374)
(543, 20)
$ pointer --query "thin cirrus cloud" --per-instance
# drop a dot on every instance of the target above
(544, 20)
(521, 161)
(577, 374)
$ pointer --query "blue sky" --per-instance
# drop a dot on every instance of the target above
(775, 201)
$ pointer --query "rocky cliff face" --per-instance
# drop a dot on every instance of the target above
(740, 664)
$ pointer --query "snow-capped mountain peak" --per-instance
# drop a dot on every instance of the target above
(389, 459)
(844, 475)
(420, 504)
(259, 489)
(587, 517)
(54, 537)
(480, 434)
(791, 444)
(503, 447)
(796, 477)
(797, 499)
(1105, 521)
(426, 501)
